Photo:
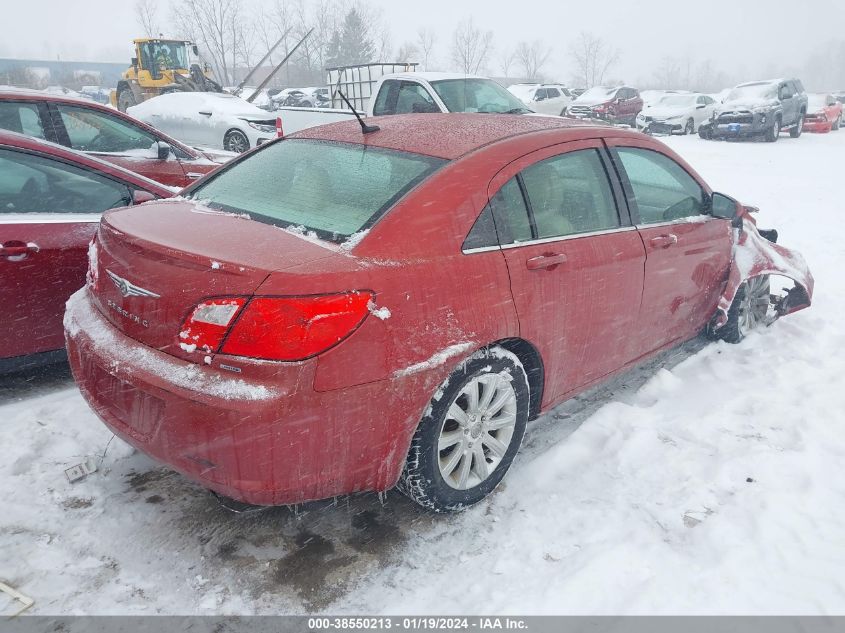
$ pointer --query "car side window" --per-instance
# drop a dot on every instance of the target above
(92, 131)
(386, 98)
(413, 98)
(785, 92)
(553, 93)
(31, 183)
(22, 118)
(504, 219)
(662, 190)
(570, 194)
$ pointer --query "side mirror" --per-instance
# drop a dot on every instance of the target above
(139, 196)
(700, 106)
(540, 98)
(725, 207)
(196, 50)
(163, 150)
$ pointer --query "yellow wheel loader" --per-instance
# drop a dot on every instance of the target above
(162, 66)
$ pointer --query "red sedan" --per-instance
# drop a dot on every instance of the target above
(105, 133)
(824, 113)
(340, 311)
(51, 199)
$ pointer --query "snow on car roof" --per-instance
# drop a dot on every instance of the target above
(432, 76)
(186, 104)
(448, 136)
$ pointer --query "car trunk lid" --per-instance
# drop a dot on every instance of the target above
(155, 262)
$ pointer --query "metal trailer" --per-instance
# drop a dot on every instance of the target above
(357, 82)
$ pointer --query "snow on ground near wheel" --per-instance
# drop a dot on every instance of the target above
(708, 481)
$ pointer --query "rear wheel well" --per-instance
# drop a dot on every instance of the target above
(533, 365)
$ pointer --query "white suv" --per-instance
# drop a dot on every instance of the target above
(543, 98)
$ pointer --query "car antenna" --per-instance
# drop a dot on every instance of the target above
(366, 129)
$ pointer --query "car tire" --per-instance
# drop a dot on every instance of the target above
(460, 439)
(773, 132)
(837, 123)
(705, 132)
(125, 100)
(796, 130)
(748, 310)
(235, 141)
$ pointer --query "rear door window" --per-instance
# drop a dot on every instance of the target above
(33, 183)
(332, 189)
(660, 188)
(22, 118)
(91, 131)
(570, 194)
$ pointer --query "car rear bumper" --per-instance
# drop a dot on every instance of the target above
(275, 443)
(817, 126)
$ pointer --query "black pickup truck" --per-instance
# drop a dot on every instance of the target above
(759, 108)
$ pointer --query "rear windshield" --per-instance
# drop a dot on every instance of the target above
(332, 189)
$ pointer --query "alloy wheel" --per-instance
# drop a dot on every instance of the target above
(477, 430)
(755, 304)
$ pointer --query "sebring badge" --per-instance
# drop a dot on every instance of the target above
(128, 289)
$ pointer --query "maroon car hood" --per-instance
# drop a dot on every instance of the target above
(154, 262)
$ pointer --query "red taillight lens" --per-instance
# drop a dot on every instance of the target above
(295, 328)
(208, 323)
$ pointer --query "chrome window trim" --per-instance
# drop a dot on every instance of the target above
(707, 216)
(548, 240)
(39, 217)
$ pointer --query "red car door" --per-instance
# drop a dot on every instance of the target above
(49, 211)
(576, 266)
(688, 252)
(118, 141)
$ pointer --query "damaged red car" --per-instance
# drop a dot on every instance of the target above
(356, 308)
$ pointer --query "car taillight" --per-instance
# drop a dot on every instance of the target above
(208, 323)
(295, 328)
(275, 328)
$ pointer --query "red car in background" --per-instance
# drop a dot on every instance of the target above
(339, 311)
(51, 199)
(824, 113)
(105, 133)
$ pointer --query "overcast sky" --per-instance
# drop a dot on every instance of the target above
(741, 37)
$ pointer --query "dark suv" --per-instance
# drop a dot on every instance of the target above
(759, 108)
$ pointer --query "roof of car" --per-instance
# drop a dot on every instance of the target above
(432, 76)
(21, 141)
(448, 136)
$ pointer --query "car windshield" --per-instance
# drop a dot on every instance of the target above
(816, 102)
(753, 91)
(599, 92)
(477, 95)
(678, 101)
(332, 189)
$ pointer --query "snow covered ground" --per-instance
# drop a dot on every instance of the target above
(709, 481)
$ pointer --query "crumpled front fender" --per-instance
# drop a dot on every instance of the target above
(754, 255)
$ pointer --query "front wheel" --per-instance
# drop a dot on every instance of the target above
(748, 311)
(837, 123)
(690, 127)
(470, 433)
(235, 141)
(125, 99)
(795, 131)
(773, 132)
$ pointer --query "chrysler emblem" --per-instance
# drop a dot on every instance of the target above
(128, 289)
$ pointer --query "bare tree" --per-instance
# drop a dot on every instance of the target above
(471, 47)
(593, 58)
(146, 11)
(425, 40)
(408, 52)
(532, 57)
(506, 61)
(212, 24)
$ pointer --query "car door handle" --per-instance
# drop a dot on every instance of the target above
(664, 241)
(16, 251)
(204, 113)
(545, 262)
